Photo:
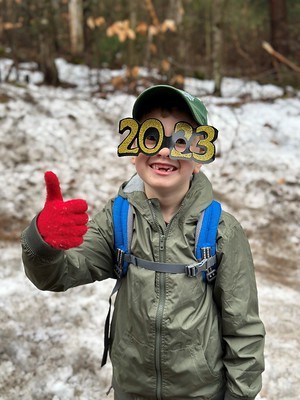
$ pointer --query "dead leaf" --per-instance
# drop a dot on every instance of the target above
(142, 28)
(165, 65)
(90, 23)
(99, 21)
(168, 25)
(153, 30)
(9, 25)
(281, 181)
(177, 80)
(153, 48)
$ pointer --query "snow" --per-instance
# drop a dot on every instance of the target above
(51, 343)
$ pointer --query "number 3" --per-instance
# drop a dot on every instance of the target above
(206, 144)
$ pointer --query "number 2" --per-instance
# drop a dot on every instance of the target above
(125, 147)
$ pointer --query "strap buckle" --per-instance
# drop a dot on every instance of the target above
(192, 270)
(211, 269)
(118, 267)
(211, 273)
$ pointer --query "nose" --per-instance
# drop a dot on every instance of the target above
(164, 152)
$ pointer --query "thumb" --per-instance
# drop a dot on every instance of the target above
(52, 187)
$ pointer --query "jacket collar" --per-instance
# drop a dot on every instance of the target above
(198, 197)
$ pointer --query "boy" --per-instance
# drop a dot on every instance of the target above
(172, 336)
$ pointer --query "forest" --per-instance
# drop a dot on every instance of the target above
(170, 40)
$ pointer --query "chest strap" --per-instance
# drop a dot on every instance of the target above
(207, 265)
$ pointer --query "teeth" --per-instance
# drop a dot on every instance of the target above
(162, 168)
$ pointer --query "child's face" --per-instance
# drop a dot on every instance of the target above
(159, 172)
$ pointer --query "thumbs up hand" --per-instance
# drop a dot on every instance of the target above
(62, 224)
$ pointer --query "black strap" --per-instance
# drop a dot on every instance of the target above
(107, 325)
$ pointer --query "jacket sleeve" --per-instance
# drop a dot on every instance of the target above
(55, 270)
(235, 293)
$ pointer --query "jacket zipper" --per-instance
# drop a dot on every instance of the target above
(161, 305)
(158, 327)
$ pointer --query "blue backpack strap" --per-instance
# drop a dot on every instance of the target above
(122, 217)
(206, 238)
(122, 223)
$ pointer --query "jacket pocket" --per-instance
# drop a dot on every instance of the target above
(133, 367)
(204, 370)
(190, 365)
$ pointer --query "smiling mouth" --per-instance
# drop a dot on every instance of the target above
(163, 168)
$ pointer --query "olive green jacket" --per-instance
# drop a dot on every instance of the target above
(173, 337)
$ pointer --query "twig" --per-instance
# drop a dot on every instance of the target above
(266, 46)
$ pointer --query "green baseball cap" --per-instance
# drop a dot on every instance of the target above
(161, 94)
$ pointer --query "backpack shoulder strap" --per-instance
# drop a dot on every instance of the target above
(206, 236)
(122, 218)
(122, 223)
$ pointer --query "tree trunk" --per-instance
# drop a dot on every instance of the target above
(208, 38)
(175, 11)
(279, 26)
(46, 38)
(177, 16)
(47, 61)
(10, 15)
(132, 55)
(156, 24)
(217, 41)
(76, 26)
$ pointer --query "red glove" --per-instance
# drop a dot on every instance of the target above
(62, 224)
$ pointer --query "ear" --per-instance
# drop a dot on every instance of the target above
(197, 167)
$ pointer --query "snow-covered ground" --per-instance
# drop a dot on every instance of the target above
(51, 343)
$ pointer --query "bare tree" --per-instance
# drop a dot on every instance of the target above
(279, 26)
(217, 14)
(46, 43)
(155, 24)
(76, 26)
(175, 13)
(132, 56)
